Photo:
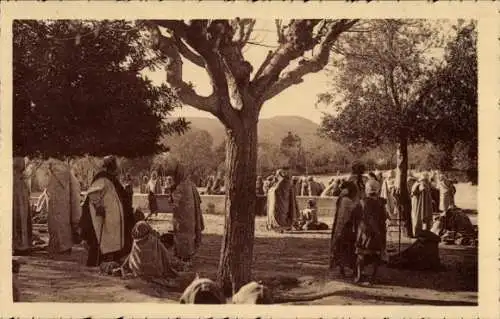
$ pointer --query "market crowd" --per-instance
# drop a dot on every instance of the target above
(119, 239)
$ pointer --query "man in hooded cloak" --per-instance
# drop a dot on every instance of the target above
(187, 216)
(64, 211)
(107, 217)
(421, 206)
(282, 208)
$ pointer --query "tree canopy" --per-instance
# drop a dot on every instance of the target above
(78, 90)
(195, 149)
(376, 83)
(388, 83)
(452, 99)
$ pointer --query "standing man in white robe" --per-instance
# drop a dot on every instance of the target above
(446, 192)
(421, 206)
(388, 192)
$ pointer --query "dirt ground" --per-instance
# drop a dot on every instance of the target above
(295, 264)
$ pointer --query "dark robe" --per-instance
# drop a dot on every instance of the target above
(371, 230)
(282, 207)
(343, 233)
(87, 228)
(359, 180)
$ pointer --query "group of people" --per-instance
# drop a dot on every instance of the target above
(112, 230)
(366, 204)
(303, 185)
(116, 234)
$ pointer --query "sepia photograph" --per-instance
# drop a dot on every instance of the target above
(245, 161)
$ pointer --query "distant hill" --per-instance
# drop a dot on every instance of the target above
(271, 130)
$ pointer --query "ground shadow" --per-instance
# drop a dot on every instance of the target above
(308, 257)
(283, 263)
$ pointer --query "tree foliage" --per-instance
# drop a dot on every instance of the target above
(452, 99)
(77, 90)
(270, 158)
(430, 100)
(291, 147)
(195, 149)
(376, 83)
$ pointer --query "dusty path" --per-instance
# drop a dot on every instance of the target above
(295, 263)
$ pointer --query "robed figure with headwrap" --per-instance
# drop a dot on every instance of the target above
(149, 258)
(389, 193)
(187, 216)
(371, 230)
(343, 236)
(421, 206)
(282, 208)
(446, 193)
(107, 217)
(64, 211)
(21, 214)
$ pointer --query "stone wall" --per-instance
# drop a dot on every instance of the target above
(214, 204)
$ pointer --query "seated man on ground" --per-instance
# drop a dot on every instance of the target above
(148, 259)
(308, 219)
(454, 226)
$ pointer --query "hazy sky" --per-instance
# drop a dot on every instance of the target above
(297, 100)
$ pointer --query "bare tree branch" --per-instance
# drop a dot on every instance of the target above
(177, 26)
(262, 45)
(266, 61)
(315, 64)
(245, 29)
(297, 40)
(207, 40)
(279, 30)
(187, 53)
(184, 91)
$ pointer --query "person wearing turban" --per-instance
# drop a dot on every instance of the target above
(64, 211)
(343, 234)
(371, 230)
(358, 178)
(421, 206)
(22, 231)
(388, 192)
(282, 208)
(447, 192)
(107, 217)
(149, 259)
(187, 216)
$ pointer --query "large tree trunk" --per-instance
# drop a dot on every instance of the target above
(237, 244)
(402, 180)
